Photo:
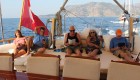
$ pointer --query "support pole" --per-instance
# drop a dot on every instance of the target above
(131, 36)
(1, 24)
(19, 25)
(53, 32)
(59, 18)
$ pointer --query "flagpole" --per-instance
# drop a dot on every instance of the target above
(1, 24)
(19, 26)
(28, 19)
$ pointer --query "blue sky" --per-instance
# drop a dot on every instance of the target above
(12, 8)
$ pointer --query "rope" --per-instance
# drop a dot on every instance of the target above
(71, 21)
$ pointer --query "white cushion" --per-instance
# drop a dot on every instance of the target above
(106, 58)
(81, 68)
(6, 63)
(84, 43)
(43, 65)
(19, 68)
(6, 47)
(107, 39)
(11, 51)
(84, 33)
(121, 71)
(136, 45)
(22, 60)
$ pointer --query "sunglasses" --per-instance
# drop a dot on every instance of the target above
(92, 32)
(72, 30)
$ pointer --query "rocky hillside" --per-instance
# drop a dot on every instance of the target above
(96, 9)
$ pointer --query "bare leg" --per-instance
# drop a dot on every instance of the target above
(93, 53)
(30, 42)
(126, 57)
(78, 52)
(68, 52)
(16, 51)
(129, 54)
(41, 50)
(20, 53)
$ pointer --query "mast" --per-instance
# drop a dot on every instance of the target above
(19, 25)
(1, 24)
(130, 20)
(126, 13)
(59, 18)
(129, 6)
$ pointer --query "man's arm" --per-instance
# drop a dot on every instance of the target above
(79, 38)
(127, 45)
(27, 43)
(112, 48)
(44, 43)
(65, 40)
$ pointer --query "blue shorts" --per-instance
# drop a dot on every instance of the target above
(73, 48)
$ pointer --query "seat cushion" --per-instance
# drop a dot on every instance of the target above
(137, 46)
(6, 63)
(121, 71)
(6, 47)
(43, 65)
(107, 39)
(81, 68)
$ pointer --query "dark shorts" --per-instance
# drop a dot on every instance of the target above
(117, 53)
(35, 47)
(73, 48)
(23, 47)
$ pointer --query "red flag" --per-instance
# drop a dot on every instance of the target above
(29, 19)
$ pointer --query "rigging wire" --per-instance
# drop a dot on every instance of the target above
(102, 19)
(134, 8)
(80, 18)
(124, 18)
(73, 23)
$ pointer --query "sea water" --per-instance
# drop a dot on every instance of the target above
(105, 24)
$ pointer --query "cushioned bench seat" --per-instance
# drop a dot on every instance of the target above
(105, 58)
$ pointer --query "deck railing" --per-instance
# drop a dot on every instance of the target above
(10, 40)
(7, 40)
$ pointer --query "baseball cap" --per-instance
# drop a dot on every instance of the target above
(118, 32)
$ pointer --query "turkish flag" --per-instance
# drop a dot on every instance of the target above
(29, 19)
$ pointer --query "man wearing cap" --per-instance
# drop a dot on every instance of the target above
(72, 41)
(119, 46)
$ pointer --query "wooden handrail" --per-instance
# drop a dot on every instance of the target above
(9, 40)
(45, 55)
(83, 57)
(126, 62)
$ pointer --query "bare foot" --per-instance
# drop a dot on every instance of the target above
(67, 54)
(137, 60)
(79, 54)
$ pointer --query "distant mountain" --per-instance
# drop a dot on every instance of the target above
(94, 9)
(97, 9)
(137, 6)
(47, 16)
